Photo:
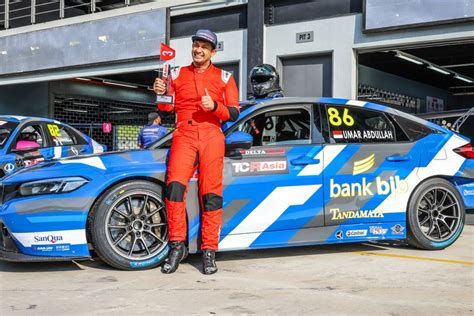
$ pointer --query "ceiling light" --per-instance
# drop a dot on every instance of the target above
(118, 112)
(121, 109)
(413, 60)
(442, 71)
(4, 52)
(75, 110)
(120, 84)
(85, 104)
(463, 79)
(103, 38)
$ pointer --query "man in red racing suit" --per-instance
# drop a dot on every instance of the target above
(204, 97)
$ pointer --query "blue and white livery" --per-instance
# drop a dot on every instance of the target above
(298, 171)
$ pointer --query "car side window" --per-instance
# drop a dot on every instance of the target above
(414, 130)
(358, 125)
(29, 137)
(279, 127)
(59, 136)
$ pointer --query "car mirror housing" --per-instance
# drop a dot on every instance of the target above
(238, 140)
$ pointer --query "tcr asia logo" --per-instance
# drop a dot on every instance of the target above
(260, 167)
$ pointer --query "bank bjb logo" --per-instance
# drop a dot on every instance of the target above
(49, 238)
(393, 185)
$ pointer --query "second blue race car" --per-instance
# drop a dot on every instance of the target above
(26, 141)
(298, 171)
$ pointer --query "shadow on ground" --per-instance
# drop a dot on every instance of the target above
(195, 259)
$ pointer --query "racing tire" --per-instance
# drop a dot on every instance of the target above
(435, 216)
(128, 226)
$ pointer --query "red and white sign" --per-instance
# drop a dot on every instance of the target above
(166, 52)
(106, 127)
(337, 135)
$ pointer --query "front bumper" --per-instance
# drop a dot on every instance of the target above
(10, 252)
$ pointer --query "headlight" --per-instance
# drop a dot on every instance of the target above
(58, 185)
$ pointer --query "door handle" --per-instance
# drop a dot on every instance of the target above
(397, 158)
(304, 161)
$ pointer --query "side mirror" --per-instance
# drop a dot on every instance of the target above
(238, 140)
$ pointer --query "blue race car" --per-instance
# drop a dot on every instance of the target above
(26, 141)
(298, 171)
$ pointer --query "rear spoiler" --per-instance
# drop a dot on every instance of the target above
(462, 116)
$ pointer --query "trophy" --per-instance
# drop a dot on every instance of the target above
(167, 54)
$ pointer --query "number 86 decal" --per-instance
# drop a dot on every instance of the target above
(336, 120)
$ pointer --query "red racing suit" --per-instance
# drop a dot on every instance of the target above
(198, 142)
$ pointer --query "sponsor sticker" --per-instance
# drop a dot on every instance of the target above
(74, 151)
(356, 233)
(363, 165)
(364, 188)
(9, 167)
(468, 192)
(43, 248)
(378, 230)
(51, 248)
(259, 167)
(397, 229)
(337, 214)
(339, 234)
(256, 152)
(47, 239)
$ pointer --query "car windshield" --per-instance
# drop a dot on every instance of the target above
(6, 129)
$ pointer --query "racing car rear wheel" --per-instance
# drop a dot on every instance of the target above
(435, 215)
(128, 226)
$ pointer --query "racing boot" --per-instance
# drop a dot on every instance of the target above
(178, 253)
(209, 262)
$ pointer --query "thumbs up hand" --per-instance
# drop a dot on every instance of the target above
(207, 103)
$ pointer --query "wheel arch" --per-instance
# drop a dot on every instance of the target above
(444, 177)
(110, 186)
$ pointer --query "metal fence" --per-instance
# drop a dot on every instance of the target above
(16, 13)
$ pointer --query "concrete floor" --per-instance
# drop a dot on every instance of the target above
(340, 279)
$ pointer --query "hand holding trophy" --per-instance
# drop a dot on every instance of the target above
(161, 85)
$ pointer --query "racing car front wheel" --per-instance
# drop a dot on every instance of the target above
(435, 215)
(128, 226)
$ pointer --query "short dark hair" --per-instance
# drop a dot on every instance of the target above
(152, 117)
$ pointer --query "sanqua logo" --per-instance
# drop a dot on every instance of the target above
(49, 238)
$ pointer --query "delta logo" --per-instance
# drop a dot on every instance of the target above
(363, 165)
(393, 185)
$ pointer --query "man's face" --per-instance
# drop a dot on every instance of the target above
(157, 121)
(202, 52)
